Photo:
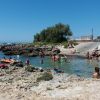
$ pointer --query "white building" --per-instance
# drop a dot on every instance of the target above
(90, 37)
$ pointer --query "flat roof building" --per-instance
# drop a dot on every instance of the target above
(89, 37)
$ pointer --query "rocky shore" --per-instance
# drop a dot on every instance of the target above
(25, 49)
(18, 84)
(33, 50)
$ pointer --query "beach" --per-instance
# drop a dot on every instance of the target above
(18, 84)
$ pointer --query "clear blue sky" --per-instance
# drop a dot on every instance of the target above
(21, 19)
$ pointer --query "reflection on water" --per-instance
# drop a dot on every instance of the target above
(80, 67)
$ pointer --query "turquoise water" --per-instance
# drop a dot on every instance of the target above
(80, 67)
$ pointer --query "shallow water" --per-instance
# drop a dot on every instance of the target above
(80, 67)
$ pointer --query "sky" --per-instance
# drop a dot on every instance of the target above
(20, 20)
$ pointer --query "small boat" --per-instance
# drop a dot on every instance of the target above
(7, 60)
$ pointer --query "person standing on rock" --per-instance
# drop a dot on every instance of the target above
(27, 62)
(88, 55)
(41, 56)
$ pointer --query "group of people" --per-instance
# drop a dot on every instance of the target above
(94, 54)
(56, 57)
(59, 58)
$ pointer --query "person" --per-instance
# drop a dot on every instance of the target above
(10, 58)
(58, 58)
(88, 55)
(65, 58)
(54, 57)
(96, 74)
(42, 54)
(4, 58)
(27, 62)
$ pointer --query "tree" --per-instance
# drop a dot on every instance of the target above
(55, 34)
(37, 37)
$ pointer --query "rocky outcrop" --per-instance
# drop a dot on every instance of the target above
(25, 50)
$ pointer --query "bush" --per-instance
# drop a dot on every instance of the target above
(38, 44)
(65, 44)
(45, 76)
(74, 42)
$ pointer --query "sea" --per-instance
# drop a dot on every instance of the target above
(77, 66)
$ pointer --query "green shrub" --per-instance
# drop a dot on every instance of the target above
(73, 42)
(45, 76)
(65, 44)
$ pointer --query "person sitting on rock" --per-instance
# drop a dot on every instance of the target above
(96, 74)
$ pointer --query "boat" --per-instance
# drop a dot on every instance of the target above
(7, 61)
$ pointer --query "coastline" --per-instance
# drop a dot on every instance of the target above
(18, 84)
